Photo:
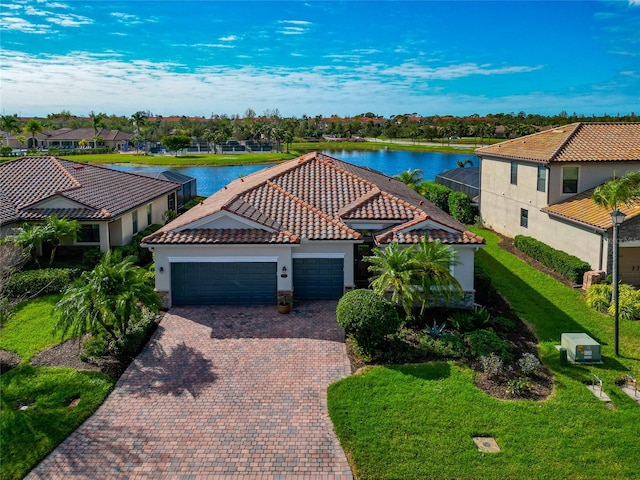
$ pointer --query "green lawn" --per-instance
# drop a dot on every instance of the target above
(414, 422)
(28, 435)
(30, 330)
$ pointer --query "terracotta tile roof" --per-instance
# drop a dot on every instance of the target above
(99, 192)
(311, 198)
(577, 142)
(223, 236)
(582, 209)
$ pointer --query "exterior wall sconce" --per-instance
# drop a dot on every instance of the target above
(284, 272)
(161, 269)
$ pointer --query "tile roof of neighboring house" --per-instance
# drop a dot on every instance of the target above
(314, 197)
(99, 192)
(577, 142)
(582, 209)
(87, 134)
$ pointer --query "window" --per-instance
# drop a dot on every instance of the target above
(172, 202)
(524, 218)
(89, 233)
(149, 214)
(514, 173)
(569, 179)
(542, 178)
(134, 220)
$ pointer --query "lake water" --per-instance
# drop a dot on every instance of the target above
(212, 179)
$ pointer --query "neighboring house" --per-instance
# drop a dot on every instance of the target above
(303, 226)
(111, 206)
(188, 185)
(68, 138)
(540, 185)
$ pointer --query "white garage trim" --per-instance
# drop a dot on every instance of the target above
(220, 259)
(318, 255)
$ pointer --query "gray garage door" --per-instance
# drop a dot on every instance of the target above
(318, 278)
(231, 283)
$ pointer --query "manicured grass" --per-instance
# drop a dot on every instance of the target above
(29, 331)
(417, 421)
(28, 435)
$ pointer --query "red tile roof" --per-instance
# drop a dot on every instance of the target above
(577, 142)
(582, 209)
(101, 193)
(313, 197)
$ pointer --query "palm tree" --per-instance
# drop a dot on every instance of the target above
(411, 178)
(9, 124)
(30, 237)
(393, 274)
(97, 123)
(464, 163)
(431, 266)
(34, 126)
(139, 119)
(58, 229)
(618, 191)
(21, 140)
(108, 298)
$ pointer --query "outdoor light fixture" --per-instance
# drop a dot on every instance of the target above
(617, 217)
(284, 272)
(161, 269)
(284, 269)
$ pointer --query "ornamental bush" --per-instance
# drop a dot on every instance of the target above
(367, 318)
(484, 342)
(569, 266)
(460, 207)
(39, 282)
(436, 193)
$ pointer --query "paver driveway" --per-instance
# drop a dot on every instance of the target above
(219, 392)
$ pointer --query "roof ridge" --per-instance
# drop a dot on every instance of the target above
(330, 161)
(359, 202)
(576, 128)
(65, 172)
(313, 209)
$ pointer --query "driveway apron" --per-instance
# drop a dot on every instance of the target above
(219, 393)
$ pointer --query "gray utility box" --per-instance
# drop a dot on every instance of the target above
(581, 348)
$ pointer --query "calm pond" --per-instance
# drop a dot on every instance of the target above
(212, 179)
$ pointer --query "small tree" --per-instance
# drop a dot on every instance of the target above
(57, 230)
(107, 299)
(173, 143)
(12, 258)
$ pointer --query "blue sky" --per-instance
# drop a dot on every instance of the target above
(319, 57)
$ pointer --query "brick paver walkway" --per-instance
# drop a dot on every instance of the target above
(219, 393)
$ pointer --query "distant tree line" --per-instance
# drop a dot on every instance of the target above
(271, 127)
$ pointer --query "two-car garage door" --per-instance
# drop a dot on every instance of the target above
(254, 283)
(228, 283)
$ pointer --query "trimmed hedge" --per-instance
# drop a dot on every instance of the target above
(460, 207)
(436, 193)
(569, 266)
(367, 318)
(40, 282)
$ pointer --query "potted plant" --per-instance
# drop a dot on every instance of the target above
(284, 303)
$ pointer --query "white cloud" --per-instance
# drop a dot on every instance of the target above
(81, 82)
(296, 22)
(57, 5)
(18, 24)
(126, 18)
(293, 31)
(228, 38)
(70, 20)
(634, 3)
(34, 12)
(9, 6)
(453, 71)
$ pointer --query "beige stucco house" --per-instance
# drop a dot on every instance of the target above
(111, 206)
(540, 185)
(302, 227)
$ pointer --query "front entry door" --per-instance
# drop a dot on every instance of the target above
(360, 271)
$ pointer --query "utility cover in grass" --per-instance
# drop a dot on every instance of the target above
(486, 444)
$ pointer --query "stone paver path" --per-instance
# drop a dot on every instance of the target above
(219, 393)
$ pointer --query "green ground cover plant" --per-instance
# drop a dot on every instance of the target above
(417, 421)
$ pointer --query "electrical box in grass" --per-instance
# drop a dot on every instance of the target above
(581, 348)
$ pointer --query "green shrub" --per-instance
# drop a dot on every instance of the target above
(138, 335)
(55, 151)
(529, 364)
(569, 266)
(193, 202)
(39, 282)
(504, 324)
(459, 206)
(484, 342)
(91, 257)
(599, 296)
(436, 193)
(6, 151)
(367, 318)
(628, 303)
(144, 255)
(492, 365)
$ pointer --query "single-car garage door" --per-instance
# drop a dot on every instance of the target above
(229, 283)
(318, 278)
